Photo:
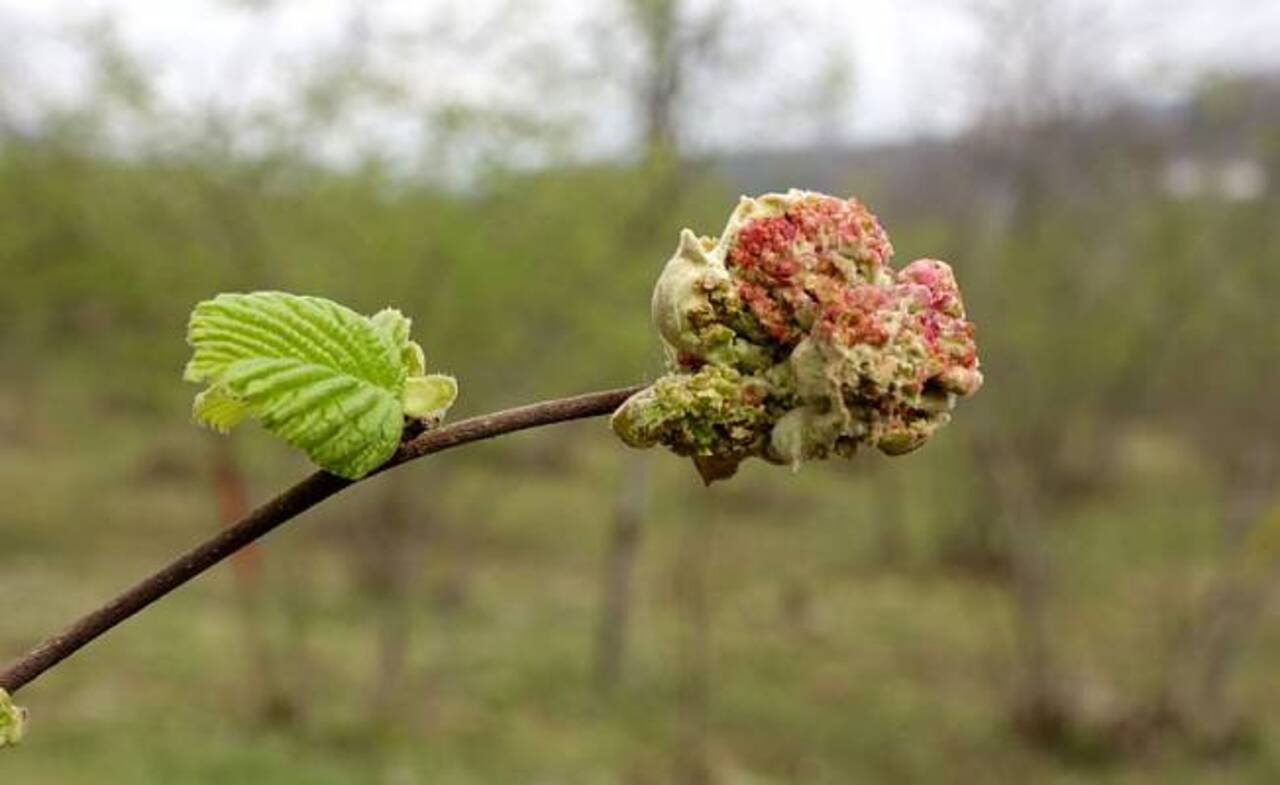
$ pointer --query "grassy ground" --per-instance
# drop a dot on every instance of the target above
(821, 663)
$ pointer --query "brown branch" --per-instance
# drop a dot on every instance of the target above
(293, 502)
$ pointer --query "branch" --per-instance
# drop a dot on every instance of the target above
(288, 505)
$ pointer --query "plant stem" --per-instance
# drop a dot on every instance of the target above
(288, 505)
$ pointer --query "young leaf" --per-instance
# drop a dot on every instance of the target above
(395, 326)
(217, 409)
(324, 378)
(429, 397)
(13, 720)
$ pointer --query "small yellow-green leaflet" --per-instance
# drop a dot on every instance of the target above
(327, 380)
(13, 720)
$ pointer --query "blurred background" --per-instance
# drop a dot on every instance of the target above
(1075, 582)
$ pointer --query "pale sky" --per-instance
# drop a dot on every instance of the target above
(908, 61)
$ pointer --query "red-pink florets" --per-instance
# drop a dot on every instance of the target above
(793, 267)
(797, 302)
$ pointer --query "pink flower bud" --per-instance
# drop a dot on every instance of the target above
(791, 337)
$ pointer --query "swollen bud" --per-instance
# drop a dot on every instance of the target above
(791, 338)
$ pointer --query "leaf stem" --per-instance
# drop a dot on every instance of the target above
(283, 508)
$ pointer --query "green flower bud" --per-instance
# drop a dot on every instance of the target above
(791, 338)
(717, 416)
(698, 313)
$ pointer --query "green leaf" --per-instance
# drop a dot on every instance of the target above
(217, 409)
(321, 376)
(395, 326)
(13, 721)
(429, 397)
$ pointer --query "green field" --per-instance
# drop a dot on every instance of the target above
(774, 638)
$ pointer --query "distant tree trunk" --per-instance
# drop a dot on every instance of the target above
(619, 567)
(1218, 636)
(976, 541)
(656, 24)
(390, 576)
(1220, 627)
(272, 702)
(693, 763)
(888, 512)
(1041, 710)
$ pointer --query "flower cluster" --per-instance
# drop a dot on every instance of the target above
(791, 338)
